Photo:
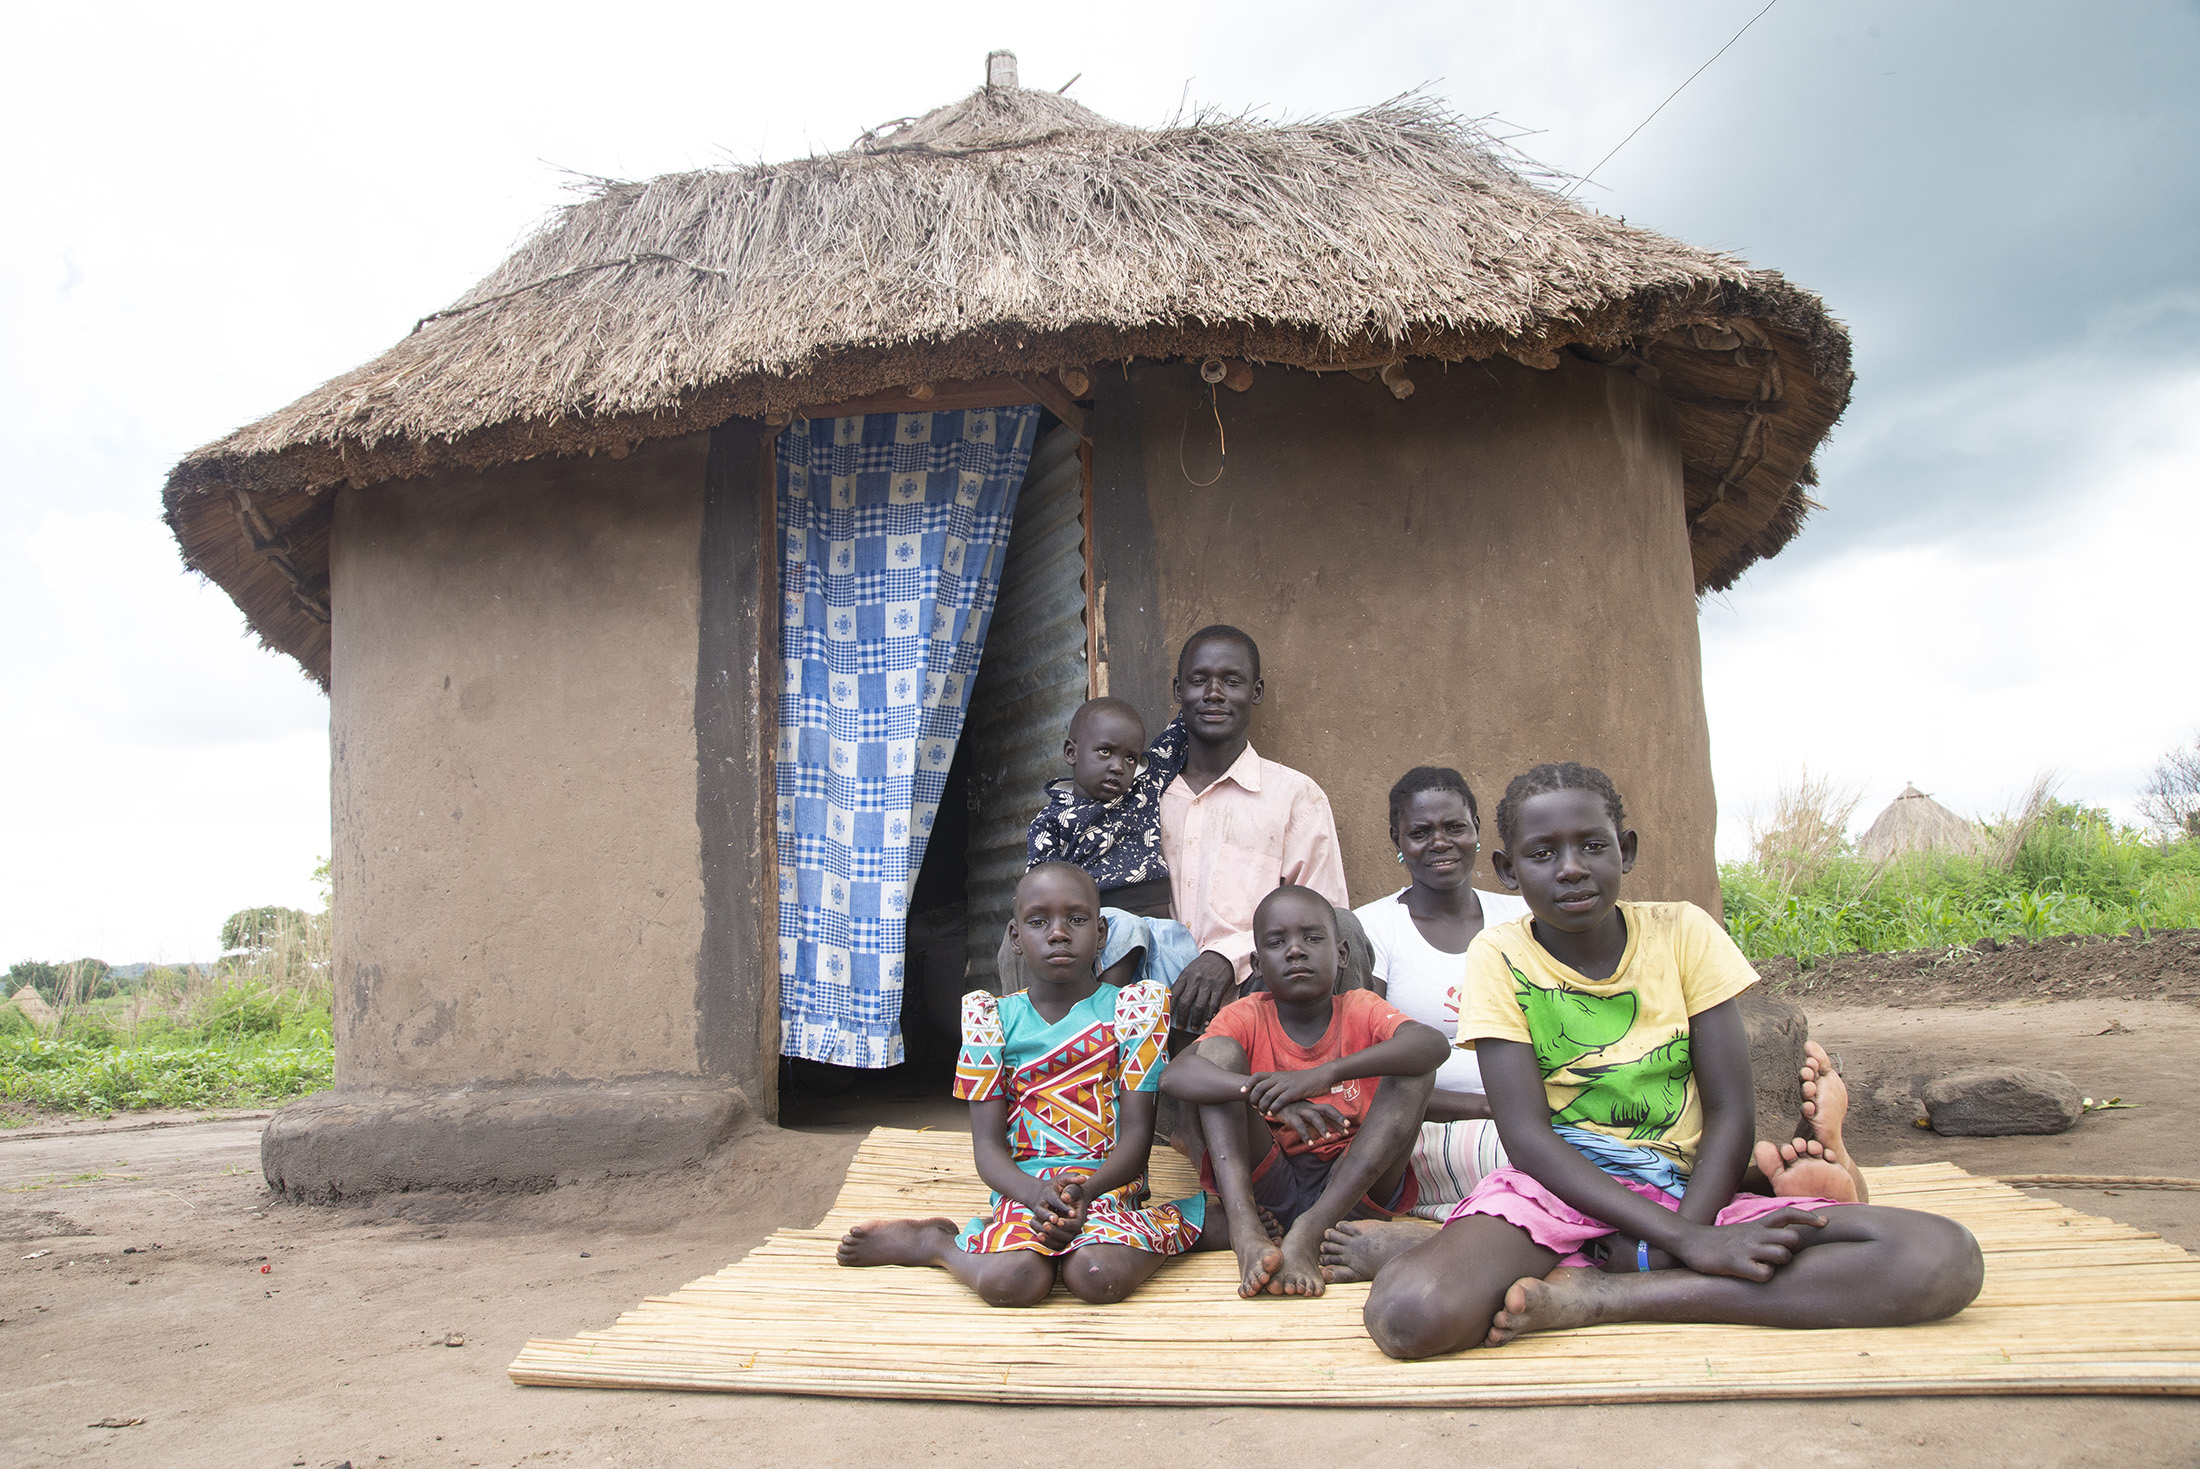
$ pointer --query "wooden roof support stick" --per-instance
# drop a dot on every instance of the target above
(1057, 401)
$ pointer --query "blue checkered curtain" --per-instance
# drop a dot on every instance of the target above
(893, 528)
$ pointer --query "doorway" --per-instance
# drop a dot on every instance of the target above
(1033, 674)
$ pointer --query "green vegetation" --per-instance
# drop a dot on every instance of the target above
(89, 977)
(2055, 868)
(251, 1029)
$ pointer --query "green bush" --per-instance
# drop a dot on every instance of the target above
(93, 1031)
(2073, 871)
(70, 1077)
(249, 1008)
(241, 1045)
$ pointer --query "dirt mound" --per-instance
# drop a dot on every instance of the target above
(2164, 965)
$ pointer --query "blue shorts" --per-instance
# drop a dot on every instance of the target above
(1167, 945)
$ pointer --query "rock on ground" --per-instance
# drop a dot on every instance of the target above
(2002, 1101)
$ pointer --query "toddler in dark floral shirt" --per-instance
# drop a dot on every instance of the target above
(1105, 817)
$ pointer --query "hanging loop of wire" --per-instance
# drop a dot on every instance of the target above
(1222, 442)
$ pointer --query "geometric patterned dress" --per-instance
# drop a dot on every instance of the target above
(1062, 1082)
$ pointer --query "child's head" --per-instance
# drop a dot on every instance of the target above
(1105, 742)
(1058, 930)
(1436, 826)
(1296, 945)
(1565, 844)
(1218, 683)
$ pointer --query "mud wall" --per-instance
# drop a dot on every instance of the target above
(519, 890)
(1488, 574)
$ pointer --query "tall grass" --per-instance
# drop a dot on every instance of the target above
(253, 1027)
(2051, 868)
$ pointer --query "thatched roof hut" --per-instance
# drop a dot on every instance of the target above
(627, 807)
(1915, 822)
(1018, 232)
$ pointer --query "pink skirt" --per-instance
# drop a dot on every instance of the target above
(1556, 1225)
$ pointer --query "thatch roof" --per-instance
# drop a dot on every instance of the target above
(1915, 822)
(1016, 231)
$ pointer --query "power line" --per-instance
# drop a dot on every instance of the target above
(1699, 71)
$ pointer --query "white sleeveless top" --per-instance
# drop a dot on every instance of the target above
(1422, 979)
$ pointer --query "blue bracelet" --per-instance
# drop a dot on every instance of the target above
(1642, 1255)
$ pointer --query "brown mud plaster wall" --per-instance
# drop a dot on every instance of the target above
(1490, 573)
(518, 886)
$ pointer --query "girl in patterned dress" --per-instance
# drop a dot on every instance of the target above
(1061, 1081)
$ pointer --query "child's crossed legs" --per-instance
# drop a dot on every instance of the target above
(1373, 1166)
(1483, 1281)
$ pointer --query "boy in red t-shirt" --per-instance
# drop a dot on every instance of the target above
(1311, 1101)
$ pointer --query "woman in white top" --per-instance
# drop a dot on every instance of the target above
(1419, 937)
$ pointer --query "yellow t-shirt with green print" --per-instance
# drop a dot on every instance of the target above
(1614, 1052)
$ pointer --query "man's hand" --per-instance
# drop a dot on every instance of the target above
(1314, 1122)
(1204, 987)
(1269, 1090)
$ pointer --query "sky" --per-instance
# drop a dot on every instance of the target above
(220, 206)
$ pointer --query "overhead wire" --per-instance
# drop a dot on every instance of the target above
(1699, 71)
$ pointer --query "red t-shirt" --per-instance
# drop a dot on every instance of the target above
(1358, 1019)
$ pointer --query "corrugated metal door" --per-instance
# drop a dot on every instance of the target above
(1030, 680)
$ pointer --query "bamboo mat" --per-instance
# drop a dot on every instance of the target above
(2073, 1303)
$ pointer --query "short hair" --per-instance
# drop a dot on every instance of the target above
(1570, 775)
(1431, 778)
(1103, 705)
(1082, 876)
(1294, 890)
(1219, 632)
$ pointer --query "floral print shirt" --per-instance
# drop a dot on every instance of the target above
(1118, 841)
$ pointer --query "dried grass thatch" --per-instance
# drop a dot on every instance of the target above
(1915, 822)
(1015, 231)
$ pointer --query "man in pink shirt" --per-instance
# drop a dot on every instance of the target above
(1234, 827)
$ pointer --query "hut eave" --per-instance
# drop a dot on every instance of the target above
(1017, 232)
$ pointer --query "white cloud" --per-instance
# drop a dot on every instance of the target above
(1966, 663)
(163, 772)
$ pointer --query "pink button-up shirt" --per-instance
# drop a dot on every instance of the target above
(1260, 825)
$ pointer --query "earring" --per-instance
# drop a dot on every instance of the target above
(1401, 856)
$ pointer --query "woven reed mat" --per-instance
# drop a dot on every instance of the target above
(2073, 1304)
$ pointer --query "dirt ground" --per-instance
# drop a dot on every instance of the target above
(148, 1274)
(2163, 965)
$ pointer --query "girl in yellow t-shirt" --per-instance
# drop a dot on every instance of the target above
(1617, 1068)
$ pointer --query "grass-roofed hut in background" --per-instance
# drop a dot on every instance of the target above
(1484, 449)
(1915, 822)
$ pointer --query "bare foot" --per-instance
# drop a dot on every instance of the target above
(1799, 1170)
(1564, 1298)
(1301, 1272)
(1270, 1225)
(1258, 1258)
(1825, 1109)
(897, 1242)
(1355, 1249)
